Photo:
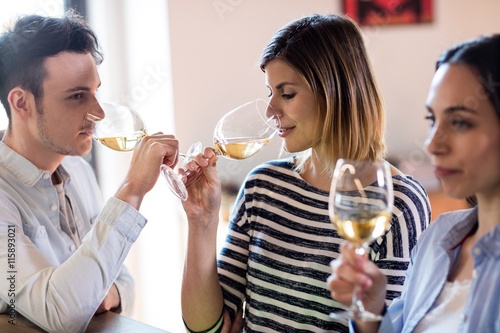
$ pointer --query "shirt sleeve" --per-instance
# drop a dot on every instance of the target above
(64, 298)
(126, 287)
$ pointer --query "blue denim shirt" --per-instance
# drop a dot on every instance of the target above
(432, 258)
(42, 274)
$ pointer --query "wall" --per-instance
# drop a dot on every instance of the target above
(216, 45)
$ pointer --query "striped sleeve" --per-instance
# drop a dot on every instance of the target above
(411, 216)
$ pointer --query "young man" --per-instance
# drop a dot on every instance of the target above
(61, 251)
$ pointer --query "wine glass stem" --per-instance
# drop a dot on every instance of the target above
(357, 304)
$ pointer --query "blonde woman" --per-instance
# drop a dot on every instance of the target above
(280, 239)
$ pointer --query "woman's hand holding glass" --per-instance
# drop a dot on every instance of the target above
(352, 275)
(360, 207)
(239, 134)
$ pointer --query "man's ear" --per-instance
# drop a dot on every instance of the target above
(20, 102)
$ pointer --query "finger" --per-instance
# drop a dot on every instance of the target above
(349, 255)
(201, 160)
(340, 290)
(342, 270)
(238, 322)
(226, 327)
(192, 166)
(209, 152)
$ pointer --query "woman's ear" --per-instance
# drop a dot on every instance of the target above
(19, 101)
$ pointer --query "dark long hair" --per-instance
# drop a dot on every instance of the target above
(482, 55)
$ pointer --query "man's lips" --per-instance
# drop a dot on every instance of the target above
(441, 172)
(87, 131)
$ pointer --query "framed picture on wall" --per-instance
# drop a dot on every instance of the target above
(388, 12)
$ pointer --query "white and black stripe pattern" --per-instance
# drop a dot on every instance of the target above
(281, 241)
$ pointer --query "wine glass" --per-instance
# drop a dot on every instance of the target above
(121, 129)
(360, 207)
(239, 134)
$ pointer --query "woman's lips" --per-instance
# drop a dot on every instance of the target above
(283, 132)
(443, 172)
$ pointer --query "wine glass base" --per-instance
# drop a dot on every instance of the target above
(356, 315)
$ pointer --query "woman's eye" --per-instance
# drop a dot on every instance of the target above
(430, 119)
(460, 123)
(288, 96)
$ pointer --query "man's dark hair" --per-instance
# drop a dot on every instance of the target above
(33, 38)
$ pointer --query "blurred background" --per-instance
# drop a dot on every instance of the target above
(182, 64)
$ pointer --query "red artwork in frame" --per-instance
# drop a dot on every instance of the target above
(388, 12)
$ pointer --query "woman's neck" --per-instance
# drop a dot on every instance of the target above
(488, 213)
(314, 173)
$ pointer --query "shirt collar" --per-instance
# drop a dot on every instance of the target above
(23, 169)
(458, 230)
(490, 242)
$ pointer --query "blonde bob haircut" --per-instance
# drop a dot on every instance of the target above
(329, 53)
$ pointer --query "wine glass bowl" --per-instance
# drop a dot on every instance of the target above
(244, 131)
(239, 134)
(360, 207)
(121, 127)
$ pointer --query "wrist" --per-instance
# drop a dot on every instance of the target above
(130, 194)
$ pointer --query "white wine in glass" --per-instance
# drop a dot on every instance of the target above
(244, 131)
(360, 207)
(121, 127)
(239, 148)
(120, 130)
(239, 134)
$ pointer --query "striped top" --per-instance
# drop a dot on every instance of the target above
(281, 241)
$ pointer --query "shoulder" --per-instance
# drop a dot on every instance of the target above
(448, 224)
(283, 163)
(281, 168)
(408, 192)
(407, 184)
(449, 220)
(77, 164)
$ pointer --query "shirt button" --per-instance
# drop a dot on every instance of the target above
(72, 247)
(477, 251)
(46, 175)
(53, 208)
(474, 273)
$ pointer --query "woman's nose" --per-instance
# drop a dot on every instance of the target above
(272, 113)
(436, 140)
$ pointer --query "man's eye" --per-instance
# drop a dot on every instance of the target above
(77, 96)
